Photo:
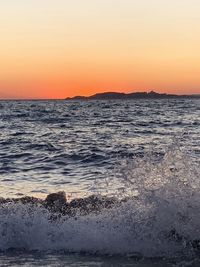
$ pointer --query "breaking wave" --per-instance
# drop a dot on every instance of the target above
(160, 217)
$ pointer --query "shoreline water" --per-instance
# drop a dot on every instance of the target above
(135, 166)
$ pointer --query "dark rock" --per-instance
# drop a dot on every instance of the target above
(58, 198)
(92, 204)
(58, 206)
(57, 203)
(2, 200)
(28, 200)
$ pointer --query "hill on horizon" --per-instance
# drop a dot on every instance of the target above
(136, 95)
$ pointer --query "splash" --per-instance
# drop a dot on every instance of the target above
(158, 216)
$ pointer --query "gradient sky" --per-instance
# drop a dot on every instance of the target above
(60, 48)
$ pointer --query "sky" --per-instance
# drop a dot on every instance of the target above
(63, 48)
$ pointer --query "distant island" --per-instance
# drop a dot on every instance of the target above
(137, 95)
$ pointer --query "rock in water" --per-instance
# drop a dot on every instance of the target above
(58, 198)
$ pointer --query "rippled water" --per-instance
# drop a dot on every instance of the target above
(147, 151)
(51, 145)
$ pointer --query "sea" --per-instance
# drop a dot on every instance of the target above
(144, 151)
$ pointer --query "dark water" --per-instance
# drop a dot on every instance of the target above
(146, 149)
(47, 146)
(40, 259)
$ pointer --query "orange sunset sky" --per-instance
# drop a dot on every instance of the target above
(61, 48)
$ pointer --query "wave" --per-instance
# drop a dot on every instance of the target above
(157, 214)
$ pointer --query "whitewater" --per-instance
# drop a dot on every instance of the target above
(143, 153)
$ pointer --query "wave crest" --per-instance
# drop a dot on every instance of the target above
(160, 216)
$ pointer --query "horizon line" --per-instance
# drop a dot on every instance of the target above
(53, 99)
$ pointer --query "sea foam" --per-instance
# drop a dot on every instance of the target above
(160, 217)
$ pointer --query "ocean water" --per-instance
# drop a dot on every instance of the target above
(145, 150)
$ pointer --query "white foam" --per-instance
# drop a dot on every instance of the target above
(167, 198)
